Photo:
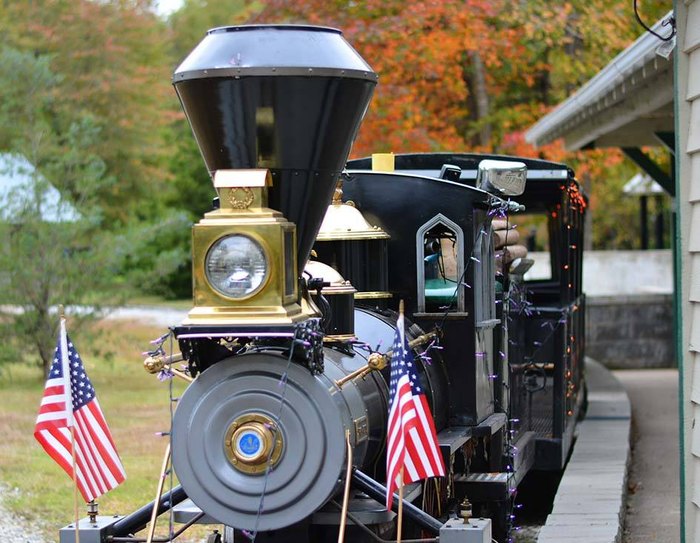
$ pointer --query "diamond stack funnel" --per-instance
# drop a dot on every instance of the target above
(288, 98)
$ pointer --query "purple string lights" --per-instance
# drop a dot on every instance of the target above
(160, 340)
(165, 374)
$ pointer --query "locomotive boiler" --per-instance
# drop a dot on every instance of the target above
(298, 272)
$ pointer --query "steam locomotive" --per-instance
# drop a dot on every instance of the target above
(298, 273)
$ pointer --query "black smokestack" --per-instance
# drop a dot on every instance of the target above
(284, 97)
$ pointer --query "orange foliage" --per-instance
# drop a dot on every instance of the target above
(534, 54)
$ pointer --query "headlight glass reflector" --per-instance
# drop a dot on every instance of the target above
(236, 266)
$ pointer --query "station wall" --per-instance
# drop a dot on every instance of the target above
(629, 307)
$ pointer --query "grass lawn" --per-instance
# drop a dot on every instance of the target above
(135, 404)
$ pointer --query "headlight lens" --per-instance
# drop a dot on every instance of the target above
(236, 266)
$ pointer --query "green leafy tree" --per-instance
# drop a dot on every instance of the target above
(110, 60)
(53, 249)
(191, 186)
(112, 63)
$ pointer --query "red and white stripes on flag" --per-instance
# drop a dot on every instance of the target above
(411, 438)
(69, 406)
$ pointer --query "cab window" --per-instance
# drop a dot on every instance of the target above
(439, 244)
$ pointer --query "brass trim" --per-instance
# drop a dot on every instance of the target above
(340, 236)
(338, 194)
(156, 363)
(338, 337)
(272, 443)
(346, 491)
(290, 267)
(226, 178)
(159, 493)
(375, 362)
(378, 361)
(372, 295)
(252, 315)
(244, 201)
(361, 429)
(451, 315)
(343, 221)
(384, 162)
(271, 303)
(337, 290)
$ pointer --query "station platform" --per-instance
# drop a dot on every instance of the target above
(610, 493)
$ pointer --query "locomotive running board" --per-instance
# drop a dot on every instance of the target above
(499, 486)
(452, 438)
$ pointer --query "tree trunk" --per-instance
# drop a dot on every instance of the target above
(573, 45)
(544, 81)
(478, 98)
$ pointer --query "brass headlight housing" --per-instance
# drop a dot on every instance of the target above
(236, 266)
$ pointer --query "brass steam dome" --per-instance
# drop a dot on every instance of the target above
(343, 221)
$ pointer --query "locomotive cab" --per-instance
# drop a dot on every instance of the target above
(544, 347)
(441, 230)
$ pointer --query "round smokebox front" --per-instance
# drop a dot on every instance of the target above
(254, 452)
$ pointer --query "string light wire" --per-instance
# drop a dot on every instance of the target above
(671, 20)
(284, 380)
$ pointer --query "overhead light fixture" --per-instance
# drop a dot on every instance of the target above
(665, 50)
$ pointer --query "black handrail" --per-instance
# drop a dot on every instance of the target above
(138, 520)
(377, 491)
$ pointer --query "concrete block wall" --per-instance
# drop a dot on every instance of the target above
(616, 273)
(631, 331)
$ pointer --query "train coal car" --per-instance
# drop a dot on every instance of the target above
(299, 275)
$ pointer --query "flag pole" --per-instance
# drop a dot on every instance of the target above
(159, 492)
(399, 520)
(71, 421)
(75, 484)
(400, 511)
(346, 493)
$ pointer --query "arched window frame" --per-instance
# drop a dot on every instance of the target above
(484, 279)
(420, 259)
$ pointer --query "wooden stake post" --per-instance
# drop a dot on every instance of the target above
(399, 519)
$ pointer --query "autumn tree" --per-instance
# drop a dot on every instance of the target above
(474, 75)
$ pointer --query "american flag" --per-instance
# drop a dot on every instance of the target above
(69, 402)
(411, 440)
